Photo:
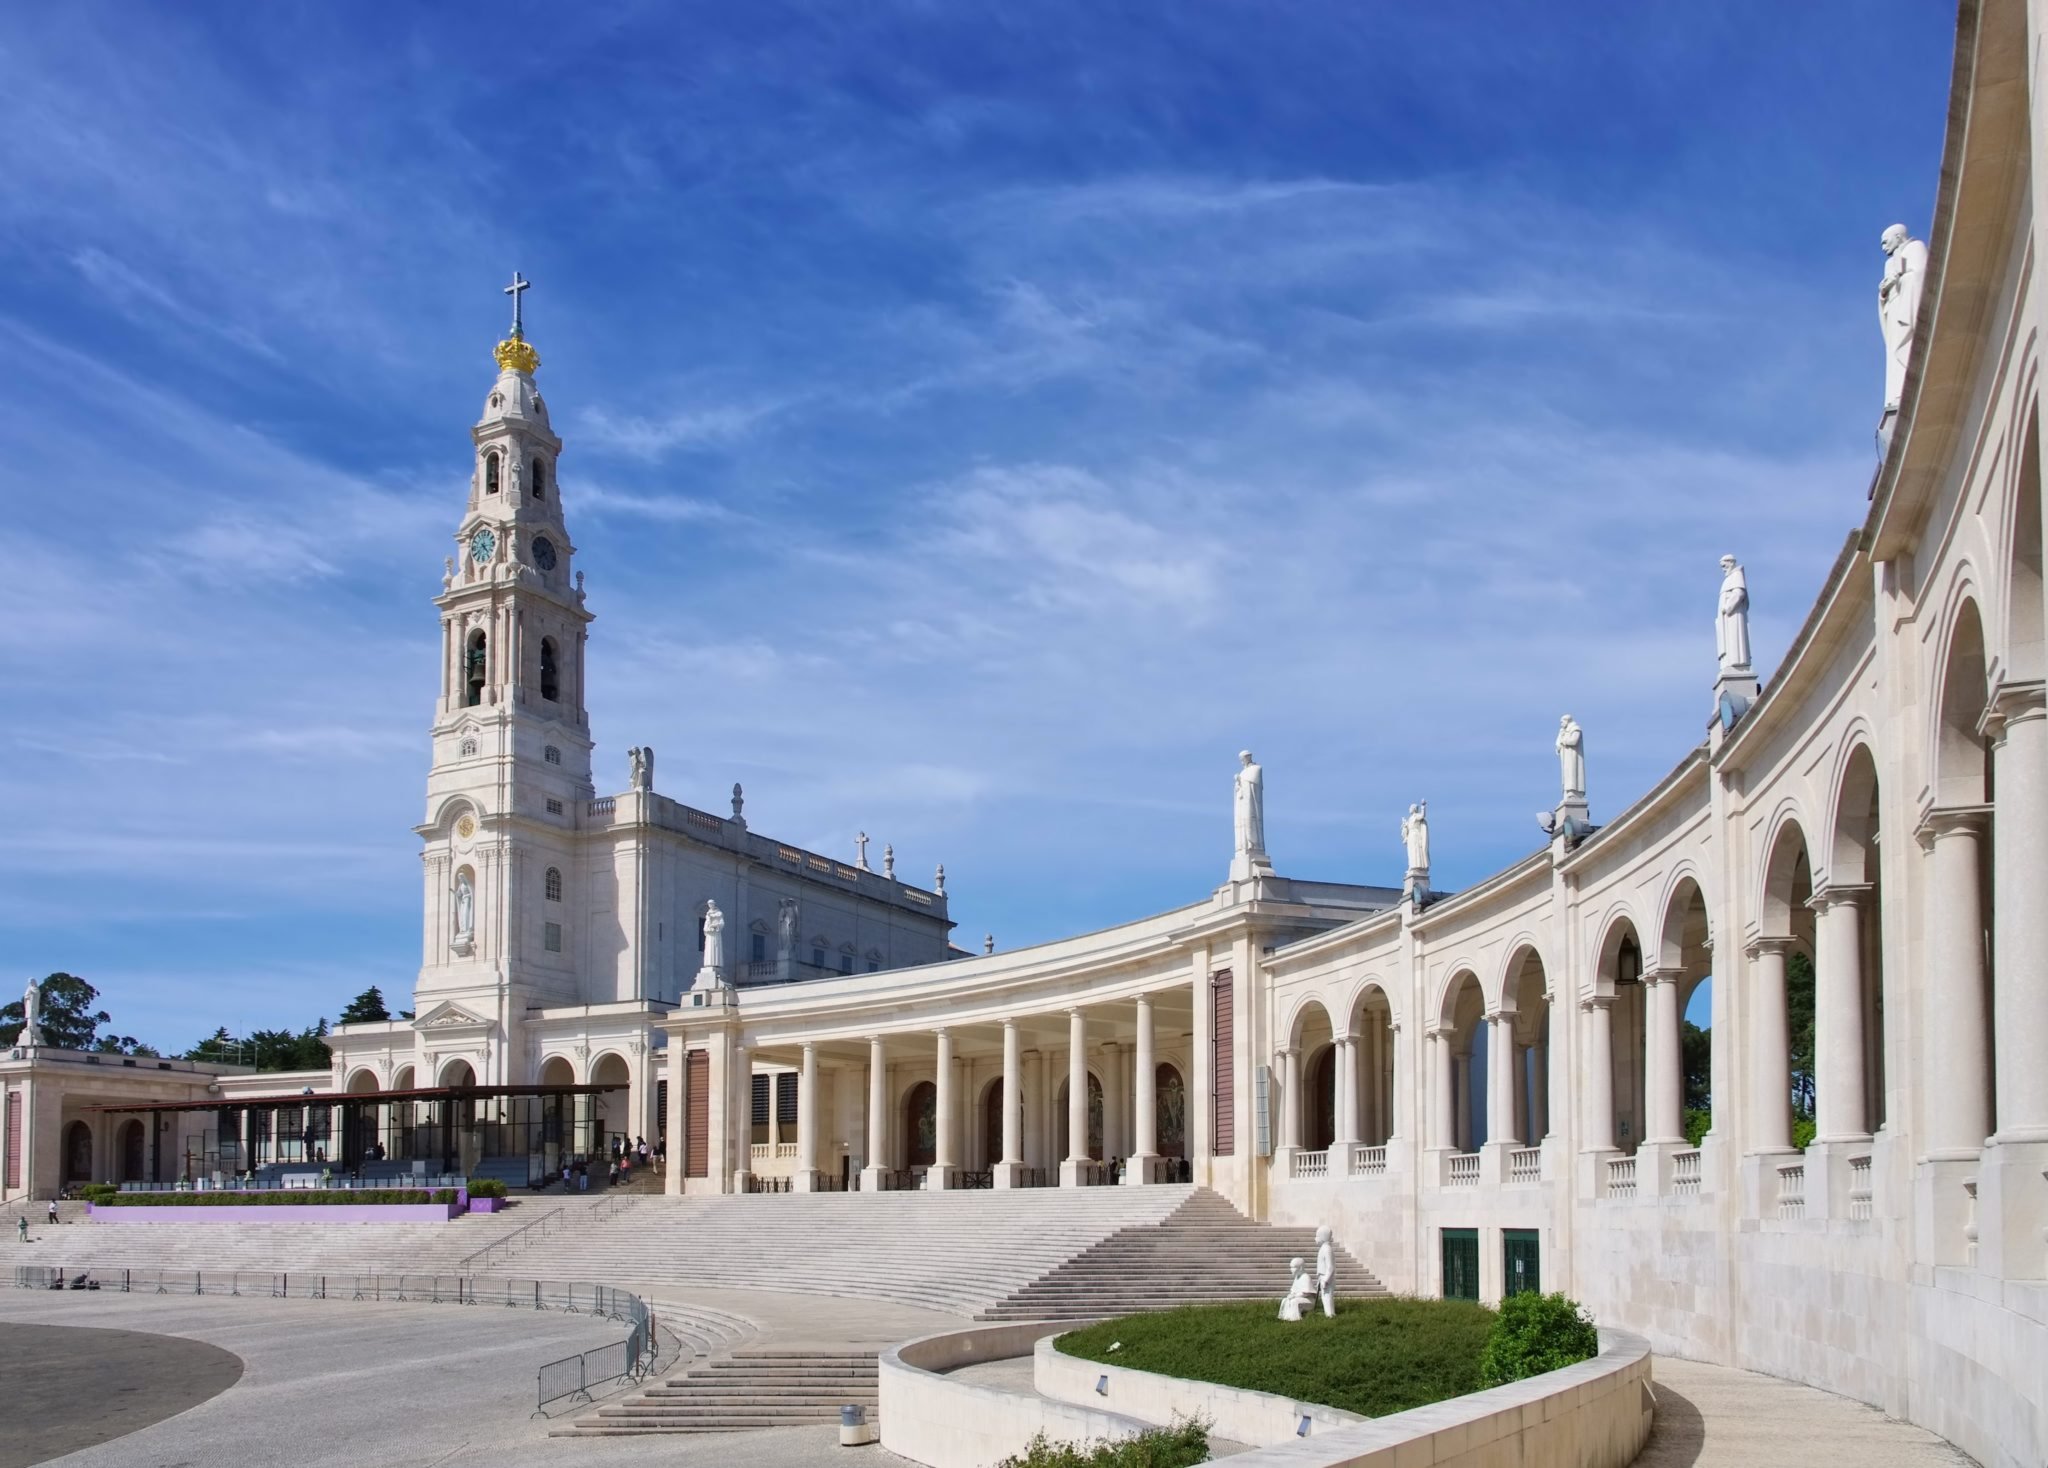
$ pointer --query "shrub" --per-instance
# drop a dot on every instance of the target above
(1803, 1130)
(1537, 1333)
(1697, 1122)
(486, 1187)
(1179, 1446)
(98, 1192)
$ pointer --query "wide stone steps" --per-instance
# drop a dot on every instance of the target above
(744, 1392)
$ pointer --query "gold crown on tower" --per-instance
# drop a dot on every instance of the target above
(515, 353)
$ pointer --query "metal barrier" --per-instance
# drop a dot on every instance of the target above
(631, 1358)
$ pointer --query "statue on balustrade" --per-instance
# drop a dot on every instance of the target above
(1898, 307)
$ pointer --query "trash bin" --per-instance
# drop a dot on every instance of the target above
(854, 1428)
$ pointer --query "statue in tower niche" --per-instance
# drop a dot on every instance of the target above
(465, 906)
(1898, 307)
(785, 927)
(1731, 623)
(1248, 819)
(31, 1015)
(1571, 759)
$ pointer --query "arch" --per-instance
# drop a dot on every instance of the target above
(1452, 994)
(1094, 1117)
(551, 884)
(1852, 865)
(1684, 883)
(1462, 1060)
(1319, 1099)
(921, 1125)
(1170, 1110)
(402, 1078)
(1619, 978)
(475, 666)
(1310, 1016)
(616, 1110)
(1685, 945)
(1525, 994)
(77, 1152)
(1373, 1023)
(1961, 768)
(557, 1070)
(1372, 992)
(2024, 660)
(550, 672)
(457, 1072)
(362, 1082)
(1787, 878)
(491, 472)
(131, 1152)
(540, 478)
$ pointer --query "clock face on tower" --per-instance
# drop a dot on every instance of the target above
(481, 545)
(543, 553)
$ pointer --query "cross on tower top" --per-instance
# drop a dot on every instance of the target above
(520, 285)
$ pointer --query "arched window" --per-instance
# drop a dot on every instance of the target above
(491, 473)
(550, 684)
(474, 663)
(540, 480)
(552, 755)
(554, 884)
(469, 749)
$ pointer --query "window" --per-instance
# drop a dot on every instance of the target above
(554, 884)
(785, 1098)
(846, 963)
(550, 685)
(554, 806)
(758, 1111)
(490, 473)
(474, 664)
(540, 480)
(874, 965)
(760, 947)
(469, 749)
(817, 958)
(551, 937)
(552, 755)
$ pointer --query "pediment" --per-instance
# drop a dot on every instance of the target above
(448, 1015)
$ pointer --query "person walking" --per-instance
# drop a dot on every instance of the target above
(21, 1228)
(53, 1213)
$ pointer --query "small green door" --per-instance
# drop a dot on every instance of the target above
(1461, 1263)
(1521, 1261)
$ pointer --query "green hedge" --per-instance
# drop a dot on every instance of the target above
(1538, 1333)
(281, 1198)
(98, 1192)
(1179, 1446)
(486, 1187)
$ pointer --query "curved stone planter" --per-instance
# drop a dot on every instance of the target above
(1258, 1418)
(1593, 1415)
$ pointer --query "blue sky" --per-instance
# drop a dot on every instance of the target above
(981, 421)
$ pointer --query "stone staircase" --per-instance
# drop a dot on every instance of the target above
(1204, 1252)
(753, 1387)
(957, 1252)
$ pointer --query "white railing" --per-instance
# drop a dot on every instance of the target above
(1685, 1174)
(1859, 1188)
(1970, 1221)
(785, 1151)
(604, 805)
(1462, 1170)
(1525, 1165)
(1368, 1161)
(1792, 1190)
(1309, 1164)
(1621, 1177)
(763, 1150)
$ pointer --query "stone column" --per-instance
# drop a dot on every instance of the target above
(2020, 868)
(1145, 1102)
(1500, 1078)
(876, 1167)
(1539, 1089)
(1839, 1112)
(1461, 1101)
(1007, 1167)
(806, 1179)
(1599, 1072)
(1959, 1111)
(1112, 1100)
(1290, 1098)
(1445, 1129)
(1368, 1072)
(1770, 1083)
(1345, 1132)
(1664, 1063)
(740, 1081)
(1033, 1101)
(1074, 1167)
(945, 1126)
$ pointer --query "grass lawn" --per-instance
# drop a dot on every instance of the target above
(1375, 1357)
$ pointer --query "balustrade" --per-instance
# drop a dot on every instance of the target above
(1859, 1188)
(1621, 1177)
(1792, 1190)
(1368, 1161)
(1525, 1165)
(1461, 1170)
(1309, 1164)
(1685, 1174)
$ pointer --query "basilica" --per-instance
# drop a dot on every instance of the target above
(1481, 1090)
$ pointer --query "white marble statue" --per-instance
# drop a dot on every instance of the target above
(860, 851)
(640, 767)
(1898, 306)
(31, 1015)
(1301, 1290)
(1571, 758)
(1731, 626)
(785, 927)
(714, 938)
(1248, 813)
(739, 801)
(1415, 834)
(988, 943)
(889, 862)
(1326, 1270)
(465, 905)
(939, 881)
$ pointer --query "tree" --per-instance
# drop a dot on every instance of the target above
(67, 1019)
(365, 1008)
(1799, 1022)
(267, 1049)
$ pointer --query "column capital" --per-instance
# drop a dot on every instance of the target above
(2012, 703)
(1951, 820)
(1652, 977)
(1503, 1011)
(1283, 1051)
(940, 1032)
(1009, 1023)
(1596, 1000)
(1757, 947)
(1838, 894)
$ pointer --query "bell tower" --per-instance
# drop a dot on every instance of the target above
(511, 767)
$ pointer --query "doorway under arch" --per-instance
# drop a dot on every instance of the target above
(921, 1125)
(77, 1153)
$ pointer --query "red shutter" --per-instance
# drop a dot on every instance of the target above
(697, 1115)
(1223, 1067)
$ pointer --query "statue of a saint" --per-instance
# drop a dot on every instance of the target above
(633, 768)
(1571, 758)
(1248, 811)
(31, 1015)
(1415, 833)
(1326, 1270)
(714, 938)
(860, 851)
(939, 882)
(785, 927)
(1731, 627)
(465, 904)
(1898, 306)
(739, 800)
(889, 862)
